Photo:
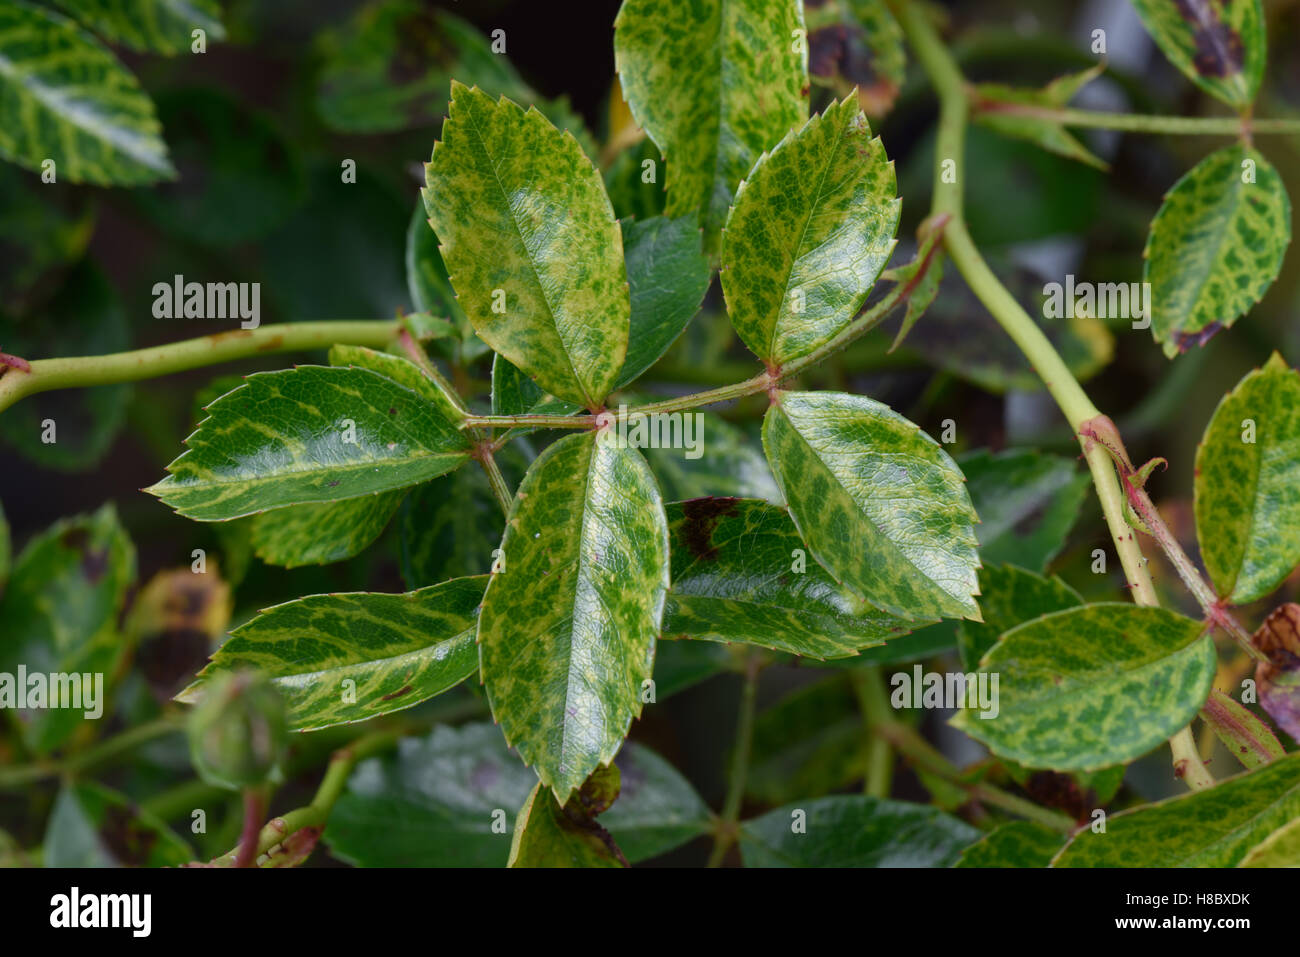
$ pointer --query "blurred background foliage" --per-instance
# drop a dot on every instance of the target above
(258, 128)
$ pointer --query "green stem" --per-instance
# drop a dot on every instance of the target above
(483, 447)
(763, 382)
(23, 775)
(317, 812)
(529, 421)
(1102, 430)
(924, 755)
(500, 488)
(421, 359)
(46, 374)
(729, 824)
(1140, 122)
(869, 685)
(951, 89)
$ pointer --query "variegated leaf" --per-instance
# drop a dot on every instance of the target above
(881, 505)
(310, 434)
(531, 243)
(348, 657)
(812, 227)
(567, 633)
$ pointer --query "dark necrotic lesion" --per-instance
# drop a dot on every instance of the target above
(1219, 50)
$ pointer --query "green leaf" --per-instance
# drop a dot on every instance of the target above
(450, 527)
(389, 67)
(513, 393)
(1279, 849)
(149, 26)
(1017, 844)
(1247, 738)
(1215, 246)
(60, 613)
(1248, 484)
(84, 318)
(657, 809)
(283, 439)
(66, 98)
(1013, 195)
(452, 793)
(356, 266)
(810, 742)
(396, 650)
(878, 502)
(923, 643)
(548, 835)
(857, 43)
(319, 534)
(428, 283)
(243, 177)
(734, 465)
(440, 801)
(923, 275)
(43, 235)
(683, 664)
(812, 227)
(1094, 686)
(91, 826)
(1010, 596)
(1019, 113)
(1216, 827)
(1218, 44)
(633, 182)
(1027, 503)
(567, 632)
(531, 243)
(854, 831)
(714, 84)
(668, 275)
(740, 573)
(402, 371)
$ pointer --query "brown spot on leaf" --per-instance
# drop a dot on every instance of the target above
(1219, 51)
(1057, 790)
(1185, 340)
(1279, 677)
(125, 837)
(404, 690)
(840, 51)
(94, 563)
(702, 517)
